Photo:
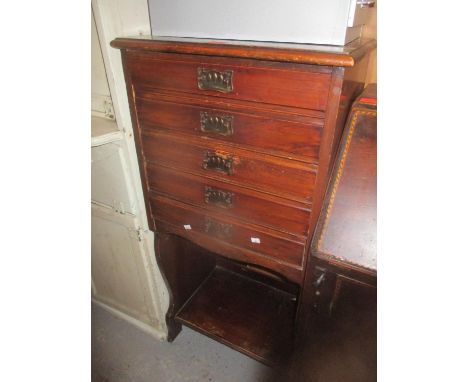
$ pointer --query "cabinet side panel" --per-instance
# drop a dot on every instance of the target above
(327, 140)
(137, 135)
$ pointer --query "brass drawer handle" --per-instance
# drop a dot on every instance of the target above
(217, 229)
(214, 123)
(218, 162)
(211, 79)
(218, 197)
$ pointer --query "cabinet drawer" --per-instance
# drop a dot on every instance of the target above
(224, 198)
(282, 247)
(294, 180)
(296, 85)
(297, 136)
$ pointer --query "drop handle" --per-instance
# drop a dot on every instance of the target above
(212, 79)
(216, 123)
(218, 162)
(218, 197)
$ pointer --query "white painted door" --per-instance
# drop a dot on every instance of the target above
(117, 270)
(110, 179)
(125, 277)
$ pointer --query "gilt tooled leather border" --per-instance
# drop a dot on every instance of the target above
(337, 173)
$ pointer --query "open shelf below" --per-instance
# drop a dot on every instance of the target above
(249, 316)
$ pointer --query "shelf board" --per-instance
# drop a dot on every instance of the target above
(104, 131)
(249, 316)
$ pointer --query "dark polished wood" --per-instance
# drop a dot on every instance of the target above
(245, 204)
(280, 246)
(184, 266)
(236, 144)
(343, 248)
(289, 135)
(286, 271)
(351, 204)
(270, 83)
(342, 347)
(291, 179)
(345, 56)
(244, 314)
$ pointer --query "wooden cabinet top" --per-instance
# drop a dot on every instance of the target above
(345, 56)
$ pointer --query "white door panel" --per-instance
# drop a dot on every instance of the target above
(118, 273)
(125, 276)
(110, 181)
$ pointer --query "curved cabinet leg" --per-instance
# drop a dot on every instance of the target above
(184, 267)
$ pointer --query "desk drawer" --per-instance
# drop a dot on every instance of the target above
(282, 247)
(282, 177)
(297, 136)
(296, 85)
(237, 202)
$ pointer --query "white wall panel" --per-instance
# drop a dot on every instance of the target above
(100, 93)
(116, 266)
(110, 179)
(126, 279)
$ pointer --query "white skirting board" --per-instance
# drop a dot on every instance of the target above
(158, 334)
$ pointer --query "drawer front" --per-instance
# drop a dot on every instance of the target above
(238, 202)
(300, 86)
(231, 231)
(273, 132)
(291, 179)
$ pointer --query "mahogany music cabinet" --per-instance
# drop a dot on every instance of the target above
(235, 142)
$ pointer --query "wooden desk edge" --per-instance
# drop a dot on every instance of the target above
(357, 50)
